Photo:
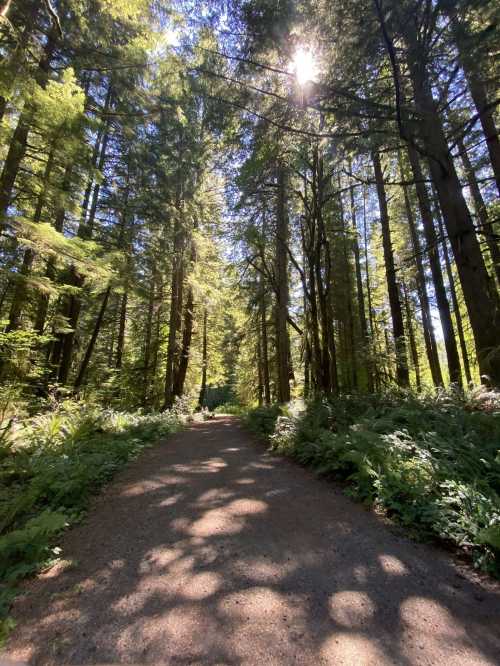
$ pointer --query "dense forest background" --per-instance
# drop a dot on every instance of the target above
(247, 201)
(283, 209)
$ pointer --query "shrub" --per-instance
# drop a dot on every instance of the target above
(49, 466)
(431, 462)
(230, 408)
(262, 420)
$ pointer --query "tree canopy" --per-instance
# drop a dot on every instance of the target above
(247, 200)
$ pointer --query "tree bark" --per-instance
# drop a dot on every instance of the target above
(429, 336)
(148, 336)
(265, 346)
(121, 332)
(204, 363)
(98, 158)
(93, 339)
(487, 119)
(20, 291)
(485, 225)
(19, 141)
(481, 299)
(43, 300)
(72, 305)
(454, 299)
(320, 286)
(282, 340)
(351, 356)
(411, 336)
(360, 293)
(435, 265)
(158, 337)
(478, 92)
(175, 306)
(376, 377)
(402, 376)
(316, 365)
(185, 352)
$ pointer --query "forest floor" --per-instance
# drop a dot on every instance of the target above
(210, 550)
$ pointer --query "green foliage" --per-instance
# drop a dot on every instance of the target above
(50, 466)
(262, 420)
(231, 408)
(21, 551)
(431, 463)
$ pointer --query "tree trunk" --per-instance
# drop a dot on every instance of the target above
(429, 336)
(282, 340)
(487, 120)
(88, 228)
(435, 265)
(485, 225)
(316, 366)
(121, 332)
(148, 336)
(204, 363)
(360, 293)
(13, 67)
(321, 278)
(428, 328)
(20, 292)
(373, 365)
(478, 93)
(115, 306)
(93, 339)
(265, 347)
(175, 306)
(367, 271)
(72, 314)
(306, 350)
(402, 376)
(351, 337)
(72, 306)
(19, 141)
(412, 339)
(328, 327)
(187, 334)
(5, 291)
(158, 338)
(43, 300)
(480, 295)
(454, 299)
(97, 161)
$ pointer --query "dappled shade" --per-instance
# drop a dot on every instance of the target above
(211, 549)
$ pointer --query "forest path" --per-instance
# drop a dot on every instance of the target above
(208, 550)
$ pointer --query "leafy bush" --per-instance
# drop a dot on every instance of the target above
(262, 420)
(49, 466)
(230, 408)
(431, 462)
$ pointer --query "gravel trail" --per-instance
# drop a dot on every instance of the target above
(208, 550)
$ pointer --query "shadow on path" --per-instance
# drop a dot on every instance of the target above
(209, 550)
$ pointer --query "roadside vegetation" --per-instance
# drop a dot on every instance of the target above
(251, 202)
(50, 465)
(430, 462)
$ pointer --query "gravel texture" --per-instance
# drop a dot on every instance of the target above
(209, 550)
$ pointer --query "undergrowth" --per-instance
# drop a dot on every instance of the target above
(431, 462)
(230, 408)
(49, 467)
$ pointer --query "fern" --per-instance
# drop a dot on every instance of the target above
(432, 462)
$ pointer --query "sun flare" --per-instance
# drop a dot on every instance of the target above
(304, 66)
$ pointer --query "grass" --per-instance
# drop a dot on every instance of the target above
(50, 466)
(432, 463)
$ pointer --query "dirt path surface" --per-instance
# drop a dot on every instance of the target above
(208, 550)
